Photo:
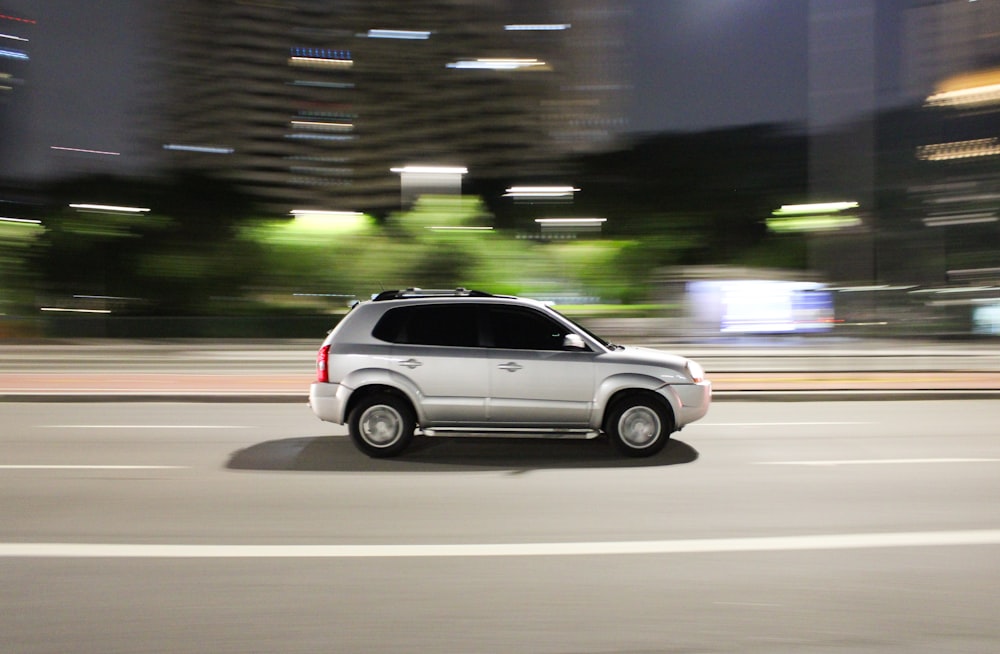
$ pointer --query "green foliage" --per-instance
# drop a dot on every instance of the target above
(16, 274)
(175, 261)
(674, 199)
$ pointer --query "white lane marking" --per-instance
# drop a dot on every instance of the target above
(778, 424)
(695, 546)
(141, 427)
(865, 462)
(34, 466)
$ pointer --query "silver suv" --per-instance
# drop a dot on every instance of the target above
(464, 362)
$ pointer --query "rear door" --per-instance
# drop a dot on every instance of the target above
(436, 348)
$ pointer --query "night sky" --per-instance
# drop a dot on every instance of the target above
(710, 63)
(696, 64)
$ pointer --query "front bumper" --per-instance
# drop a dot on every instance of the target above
(695, 399)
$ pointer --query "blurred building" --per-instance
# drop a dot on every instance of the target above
(313, 103)
(948, 63)
(843, 101)
(948, 37)
(953, 64)
(15, 48)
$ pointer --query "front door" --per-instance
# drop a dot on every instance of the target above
(534, 380)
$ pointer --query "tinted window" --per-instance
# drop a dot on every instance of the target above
(523, 329)
(433, 324)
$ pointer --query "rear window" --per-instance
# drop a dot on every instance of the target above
(454, 325)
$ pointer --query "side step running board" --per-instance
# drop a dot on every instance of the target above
(579, 434)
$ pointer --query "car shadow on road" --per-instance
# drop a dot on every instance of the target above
(338, 454)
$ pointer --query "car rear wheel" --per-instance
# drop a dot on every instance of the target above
(639, 425)
(381, 425)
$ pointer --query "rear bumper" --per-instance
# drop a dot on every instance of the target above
(328, 401)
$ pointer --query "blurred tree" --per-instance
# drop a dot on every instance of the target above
(172, 258)
(16, 275)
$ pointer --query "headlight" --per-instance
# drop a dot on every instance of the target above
(695, 371)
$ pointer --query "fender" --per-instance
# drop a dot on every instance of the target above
(630, 381)
(382, 377)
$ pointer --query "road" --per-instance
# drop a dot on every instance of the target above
(241, 527)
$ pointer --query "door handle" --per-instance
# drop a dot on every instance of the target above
(510, 366)
(411, 363)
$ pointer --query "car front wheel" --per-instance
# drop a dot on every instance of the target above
(381, 425)
(639, 425)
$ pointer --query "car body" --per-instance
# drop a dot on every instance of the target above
(465, 362)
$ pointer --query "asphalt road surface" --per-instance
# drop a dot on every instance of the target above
(768, 527)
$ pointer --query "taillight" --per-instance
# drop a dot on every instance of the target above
(322, 357)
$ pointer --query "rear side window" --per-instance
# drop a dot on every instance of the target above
(452, 325)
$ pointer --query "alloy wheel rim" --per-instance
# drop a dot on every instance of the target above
(639, 427)
(381, 425)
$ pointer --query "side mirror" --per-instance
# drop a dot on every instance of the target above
(574, 342)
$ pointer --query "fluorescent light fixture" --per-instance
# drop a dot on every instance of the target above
(812, 223)
(540, 192)
(458, 228)
(410, 35)
(987, 147)
(571, 222)
(430, 170)
(815, 208)
(22, 221)
(322, 126)
(64, 310)
(14, 54)
(83, 151)
(322, 213)
(541, 27)
(496, 64)
(205, 149)
(108, 207)
(987, 94)
(947, 220)
(320, 62)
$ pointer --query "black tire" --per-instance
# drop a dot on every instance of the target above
(639, 425)
(381, 425)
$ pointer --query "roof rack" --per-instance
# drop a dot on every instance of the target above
(429, 292)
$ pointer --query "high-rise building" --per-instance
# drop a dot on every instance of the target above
(953, 68)
(943, 38)
(312, 103)
(15, 48)
(842, 96)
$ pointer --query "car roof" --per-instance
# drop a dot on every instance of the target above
(428, 292)
(410, 295)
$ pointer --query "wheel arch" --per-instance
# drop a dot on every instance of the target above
(373, 388)
(615, 388)
(624, 393)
